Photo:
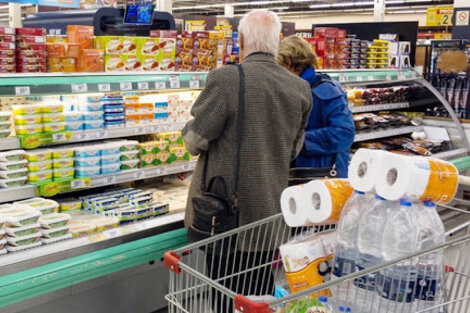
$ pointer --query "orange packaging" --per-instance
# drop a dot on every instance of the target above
(132, 119)
(56, 39)
(53, 61)
(216, 41)
(132, 108)
(73, 50)
(146, 118)
(200, 40)
(443, 182)
(54, 68)
(81, 35)
(56, 50)
(91, 60)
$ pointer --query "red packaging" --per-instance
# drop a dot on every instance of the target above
(7, 61)
(31, 68)
(7, 31)
(7, 38)
(342, 46)
(200, 40)
(31, 54)
(331, 32)
(7, 53)
(7, 46)
(184, 42)
(31, 39)
(31, 31)
(30, 61)
(321, 47)
(342, 33)
(31, 46)
(330, 46)
(164, 33)
(330, 62)
(7, 68)
(313, 43)
(319, 32)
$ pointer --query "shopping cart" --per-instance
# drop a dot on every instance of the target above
(221, 274)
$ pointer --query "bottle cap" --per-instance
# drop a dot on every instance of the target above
(322, 299)
(359, 192)
(405, 202)
(429, 204)
(341, 308)
(348, 310)
(379, 197)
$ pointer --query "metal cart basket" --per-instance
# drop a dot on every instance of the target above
(226, 272)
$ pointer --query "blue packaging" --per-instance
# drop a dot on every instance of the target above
(86, 162)
(73, 116)
(110, 169)
(93, 116)
(115, 124)
(74, 126)
(111, 159)
(110, 117)
(161, 107)
(161, 117)
(109, 149)
(95, 124)
(114, 108)
(89, 107)
(90, 171)
(87, 152)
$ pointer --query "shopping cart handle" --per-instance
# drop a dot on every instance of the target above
(245, 305)
(171, 261)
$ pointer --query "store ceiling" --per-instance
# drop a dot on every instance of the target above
(303, 7)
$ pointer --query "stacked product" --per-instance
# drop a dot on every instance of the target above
(39, 166)
(31, 50)
(167, 48)
(129, 155)
(336, 50)
(55, 227)
(93, 160)
(83, 112)
(114, 115)
(6, 124)
(63, 164)
(120, 53)
(405, 145)
(399, 54)
(137, 112)
(370, 121)
(167, 148)
(358, 53)
(377, 54)
(371, 96)
(12, 168)
(45, 116)
(7, 50)
(69, 205)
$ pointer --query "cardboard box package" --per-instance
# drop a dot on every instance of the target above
(117, 45)
(148, 46)
(91, 60)
(121, 63)
(81, 35)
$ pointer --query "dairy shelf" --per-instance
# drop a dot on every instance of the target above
(386, 133)
(29, 191)
(380, 107)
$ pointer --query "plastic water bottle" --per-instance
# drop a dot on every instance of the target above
(396, 284)
(369, 241)
(346, 251)
(430, 266)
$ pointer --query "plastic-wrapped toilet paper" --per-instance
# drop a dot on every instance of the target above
(292, 203)
(416, 178)
(363, 168)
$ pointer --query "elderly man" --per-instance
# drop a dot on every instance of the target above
(277, 107)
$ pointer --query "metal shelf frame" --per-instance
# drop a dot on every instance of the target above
(380, 107)
(386, 133)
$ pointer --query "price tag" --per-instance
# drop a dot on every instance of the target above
(186, 167)
(112, 233)
(104, 87)
(160, 85)
(125, 86)
(401, 75)
(59, 137)
(78, 183)
(22, 91)
(79, 88)
(139, 175)
(161, 171)
(143, 86)
(194, 84)
(110, 180)
(174, 81)
(342, 77)
(101, 134)
(82, 136)
(388, 77)
(139, 130)
(370, 78)
(359, 78)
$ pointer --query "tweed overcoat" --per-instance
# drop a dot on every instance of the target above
(277, 107)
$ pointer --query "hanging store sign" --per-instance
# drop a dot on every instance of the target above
(440, 16)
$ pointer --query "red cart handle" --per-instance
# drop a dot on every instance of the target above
(245, 305)
(171, 261)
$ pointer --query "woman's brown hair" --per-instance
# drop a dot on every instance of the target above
(296, 54)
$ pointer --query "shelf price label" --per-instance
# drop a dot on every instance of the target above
(370, 78)
(110, 180)
(125, 86)
(342, 77)
(194, 84)
(388, 77)
(101, 134)
(78, 184)
(174, 81)
(143, 86)
(359, 78)
(79, 88)
(139, 130)
(401, 75)
(104, 87)
(59, 137)
(22, 91)
(139, 175)
(83, 136)
(160, 85)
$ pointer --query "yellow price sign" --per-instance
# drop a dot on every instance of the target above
(440, 16)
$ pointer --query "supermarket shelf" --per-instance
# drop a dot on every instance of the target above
(380, 107)
(15, 194)
(446, 155)
(387, 133)
(45, 254)
(53, 83)
(370, 75)
(9, 144)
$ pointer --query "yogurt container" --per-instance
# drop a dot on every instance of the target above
(84, 162)
(53, 118)
(30, 129)
(55, 220)
(38, 155)
(90, 107)
(22, 230)
(110, 159)
(62, 163)
(26, 109)
(21, 217)
(5, 125)
(96, 124)
(81, 229)
(52, 107)
(73, 116)
(5, 133)
(13, 182)
(87, 151)
(55, 127)
(74, 126)
(12, 156)
(62, 153)
(70, 205)
(13, 174)
(89, 171)
(16, 249)
(92, 116)
(130, 164)
(67, 172)
(129, 155)
(24, 240)
(52, 240)
(110, 168)
(5, 116)
(110, 148)
(39, 166)
(38, 177)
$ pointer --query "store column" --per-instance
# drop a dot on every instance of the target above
(461, 25)
(379, 10)
(164, 6)
(229, 11)
(14, 11)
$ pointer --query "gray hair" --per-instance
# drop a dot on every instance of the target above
(261, 30)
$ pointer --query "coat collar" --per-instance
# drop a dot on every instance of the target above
(310, 75)
(259, 57)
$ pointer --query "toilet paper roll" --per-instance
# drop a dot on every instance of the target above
(292, 202)
(417, 178)
(363, 168)
(325, 199)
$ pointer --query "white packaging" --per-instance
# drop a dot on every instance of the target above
(363, 167)
(292, 203)
(298, 254)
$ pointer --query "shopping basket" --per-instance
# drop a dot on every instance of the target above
(213, 276)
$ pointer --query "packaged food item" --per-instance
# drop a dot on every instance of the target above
(96, 124)
(166, 62)
(54, 127)
(128, 145)
(179, 154)
(104, 223)
(91, 60)
(163, 157)
(52, 108)
(7, 68)
(63, 172)
(13, 182)
(39, 166)
(110, 159)
(117, 45)
(70, 205)
(53, 118)
(62, 163)
(12, 156)
(22, 230)
(5, 125)
(87, 151)
(148, 46)
(55, 220)
(9, 166)
(27, 119)
(44, 206)
(81, 229)
(20, 217)
(3, 243)
(87, 161)
(30, 129)
(74, 126)
(40, 177)
(26, 109)
(13, 174)
(88, 171)
(91, 108)
(149, 63)
(110, 168)
(24, 240)
(81, 35)
(28, 31)
(129, 155)
(5, 116)
(73, 116)
(24, 247)
(46, 241)
(174, 137)
(110, 148)
(130, 164)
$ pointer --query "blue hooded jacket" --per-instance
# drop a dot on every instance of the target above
(330, 129)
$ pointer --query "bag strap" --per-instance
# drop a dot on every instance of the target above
(240, 126)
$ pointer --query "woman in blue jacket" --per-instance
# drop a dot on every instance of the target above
(330, 130)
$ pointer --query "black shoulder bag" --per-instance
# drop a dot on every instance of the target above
(215, 211)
